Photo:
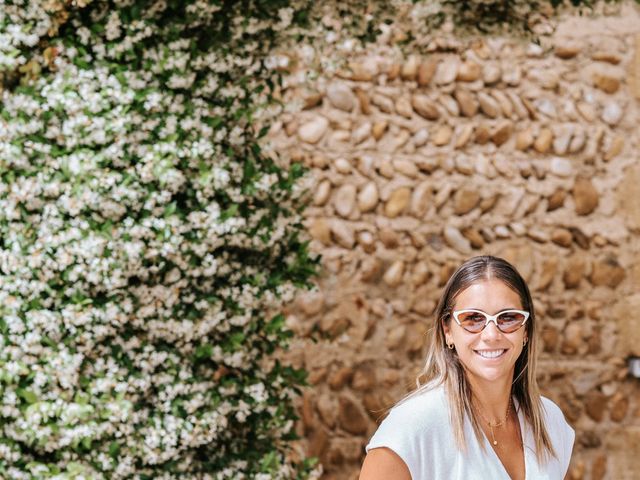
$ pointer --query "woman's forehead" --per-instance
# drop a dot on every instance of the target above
(491, 295)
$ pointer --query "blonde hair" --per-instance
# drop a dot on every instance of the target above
(443, 367)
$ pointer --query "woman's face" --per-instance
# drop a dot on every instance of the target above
(491, 354)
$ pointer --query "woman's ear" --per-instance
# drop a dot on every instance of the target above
(446, 329)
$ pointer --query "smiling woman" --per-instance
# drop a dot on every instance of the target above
(477, 411)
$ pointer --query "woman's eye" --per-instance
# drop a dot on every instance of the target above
(512, 317)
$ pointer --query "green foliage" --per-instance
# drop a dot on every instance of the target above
(517, 17)
(145, 241)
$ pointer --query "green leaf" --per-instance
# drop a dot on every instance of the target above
(204, 351)
(235, 341)
(276, 324)
(86, 443)
(269, 462)
(82, 398)
(170, 209)
(230, 212)
(263, 131)
(27, 395)
(114, 449)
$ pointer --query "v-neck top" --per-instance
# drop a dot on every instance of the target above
(419, 432)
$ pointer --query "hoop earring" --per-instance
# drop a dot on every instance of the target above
(450, 346)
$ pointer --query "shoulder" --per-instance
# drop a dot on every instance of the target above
(415, 419)
(416, 431)
(561, 433)
(428, 408)
(553, 415)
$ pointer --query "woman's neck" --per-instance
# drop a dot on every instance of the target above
(491, 398)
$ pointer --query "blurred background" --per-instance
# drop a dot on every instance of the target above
(428, 148)
(156, 157)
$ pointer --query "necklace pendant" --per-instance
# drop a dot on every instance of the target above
(495, 442)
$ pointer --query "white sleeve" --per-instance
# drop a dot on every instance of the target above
(568, 439)
(398, 434)
(418, 431)
(561, 433)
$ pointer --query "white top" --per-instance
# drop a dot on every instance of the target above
(419, 432)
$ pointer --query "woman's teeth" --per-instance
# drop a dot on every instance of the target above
(490, 353)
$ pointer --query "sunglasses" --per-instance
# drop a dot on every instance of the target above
(474, 321)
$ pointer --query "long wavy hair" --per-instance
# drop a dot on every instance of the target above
(443, 367)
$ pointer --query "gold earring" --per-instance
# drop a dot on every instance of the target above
(450, 346)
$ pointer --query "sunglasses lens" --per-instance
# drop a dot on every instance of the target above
(510, 321)
(475, 322)
(472, 321)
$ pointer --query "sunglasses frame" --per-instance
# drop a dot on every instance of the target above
(490, 318)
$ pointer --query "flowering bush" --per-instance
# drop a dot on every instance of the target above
(146, 242)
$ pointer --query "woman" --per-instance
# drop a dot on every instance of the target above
(477, 412)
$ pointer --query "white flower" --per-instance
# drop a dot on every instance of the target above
(113, 26)
(257, 392)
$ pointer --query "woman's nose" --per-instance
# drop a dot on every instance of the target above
(491, 331)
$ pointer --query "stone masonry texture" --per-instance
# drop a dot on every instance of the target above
(472, 146)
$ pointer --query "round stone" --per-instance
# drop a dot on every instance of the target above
(456, 240)
(344, 200)
(420, 199)
(425, 107)
(393, 276)
(488, 105)
(585, 196)
(467, 102)
(406, 168)
(341, 96)
(368, 197)
(561, 167)
(612, 113)
(491, 73)
(397, 202)
(361, 133)
(469, 71)
(421, 137)
(447, 71)
(322, 193)
(343, 166)
(403, 107)
(442, 136)
(465, 200)
(343, 234)
(312, 132)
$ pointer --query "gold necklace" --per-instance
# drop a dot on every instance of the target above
(497, 424)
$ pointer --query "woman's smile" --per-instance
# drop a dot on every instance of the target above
(491, 354)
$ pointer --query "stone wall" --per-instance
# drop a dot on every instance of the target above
(422, 159)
